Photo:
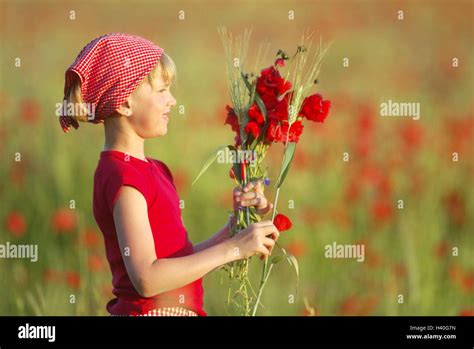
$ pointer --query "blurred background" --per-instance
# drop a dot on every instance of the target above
(408, 251)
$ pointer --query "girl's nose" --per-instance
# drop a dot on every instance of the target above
(172, 101)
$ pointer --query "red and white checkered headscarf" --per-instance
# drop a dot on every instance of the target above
(110, 68)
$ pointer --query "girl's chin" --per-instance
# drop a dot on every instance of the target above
(162, 131)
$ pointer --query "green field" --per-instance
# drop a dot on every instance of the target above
(422, 252)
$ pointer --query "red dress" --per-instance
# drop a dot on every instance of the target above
(154, 180)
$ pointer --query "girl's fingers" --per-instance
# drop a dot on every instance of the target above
(275, 235)
(266, 209)
(254, 184)
(269, 243)
(253, 199)
(269, 229)
(264, 251)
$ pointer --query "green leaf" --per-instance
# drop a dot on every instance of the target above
(294, 263)
(261, 105)
(211, 160)
(287, 159)
(237, 172)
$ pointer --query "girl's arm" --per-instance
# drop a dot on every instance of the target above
(151, 276)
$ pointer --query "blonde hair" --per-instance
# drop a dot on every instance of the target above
(165, 68)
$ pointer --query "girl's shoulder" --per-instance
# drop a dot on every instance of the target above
(164, 167)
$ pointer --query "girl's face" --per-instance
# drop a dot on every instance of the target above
(150, 108)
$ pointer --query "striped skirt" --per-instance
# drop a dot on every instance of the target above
(169, 311)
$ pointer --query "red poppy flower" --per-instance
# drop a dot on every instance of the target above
(232, 119)
(63, 220)
(314, 108)
(15, 224)
(270, 85)
(278, 132)
(29, 110)
(72, 279)
(296, 248)
(466, 312)
(91, 238)
(95, 263)
(256, 115)
(280, 112)
(280, 62)
(252, 127)
(282, 222)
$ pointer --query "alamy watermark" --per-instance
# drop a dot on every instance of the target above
(354, 251)
(227, 156)
(9, 250)
(28, 331)
(76, 109)
(410, 109)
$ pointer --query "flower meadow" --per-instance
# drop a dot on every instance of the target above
(376, 209)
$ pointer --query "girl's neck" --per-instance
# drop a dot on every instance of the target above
(124, 140)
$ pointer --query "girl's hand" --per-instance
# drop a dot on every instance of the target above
(252, 195)
(256, 238)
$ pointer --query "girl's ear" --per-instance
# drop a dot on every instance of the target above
(126, 108)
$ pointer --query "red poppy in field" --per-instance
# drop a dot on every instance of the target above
(282, 222)
(467, 282)
(455, 273)
(91, 238)
(29, 110)
(51, 275)
(63, 220)
(181, 180)
(297, 248)
(72, 279)
(400, 270)
(373, 259)
(349, 306)
(382, 210)
(315, 108)
(466, 312)
(455, 207)
(95, 263)
(441, 249)
(15, 224)
(411, 135)
(354, 305)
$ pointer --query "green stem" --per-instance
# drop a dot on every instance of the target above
(260, 290)
(265, 274)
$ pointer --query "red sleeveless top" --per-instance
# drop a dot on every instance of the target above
(154, 180)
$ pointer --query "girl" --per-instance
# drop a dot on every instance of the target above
(123, 82)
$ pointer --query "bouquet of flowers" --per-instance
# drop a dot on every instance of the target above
(268, 107)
